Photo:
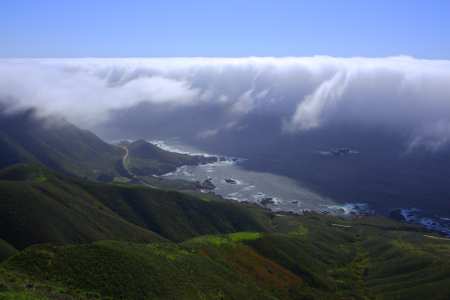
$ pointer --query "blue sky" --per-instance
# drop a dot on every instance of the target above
(55, 28)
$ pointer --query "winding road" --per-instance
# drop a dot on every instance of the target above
(124, 161)
(130, 173)
(436, 237)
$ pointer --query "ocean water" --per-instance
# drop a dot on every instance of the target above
(429, 221)
(278, 193)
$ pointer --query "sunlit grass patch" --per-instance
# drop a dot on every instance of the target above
(229, 239)
(244, 236)
(406, 246)
(40, 178)
(169, 251)
(20, 296)
(301, 230)
(216, 240)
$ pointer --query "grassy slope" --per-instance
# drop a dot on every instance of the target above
(6, 250)
(63, 147)
(291, 257)
(146, 159)
(179, 216)
(310, 260)
(56, 144)
(134, 271)
(39, 206)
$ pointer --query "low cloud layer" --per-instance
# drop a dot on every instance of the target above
(399, 93)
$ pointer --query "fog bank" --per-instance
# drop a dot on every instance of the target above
(401, 93)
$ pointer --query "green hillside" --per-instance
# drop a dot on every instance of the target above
(6, 250)
(65, 148)
(314, 259)
(146, 159)
(178, 216)
(58, 145)
(170, 245)
(40, 206)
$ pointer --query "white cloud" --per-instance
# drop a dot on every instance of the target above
(432, 136)
(82, 95)
(244, 104)
(207, 133)
(307, 92)
(310, 111)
